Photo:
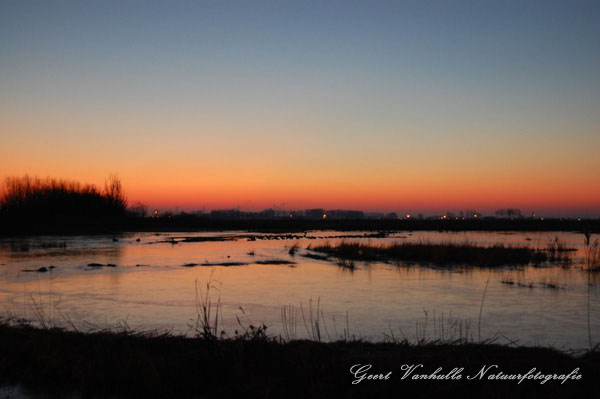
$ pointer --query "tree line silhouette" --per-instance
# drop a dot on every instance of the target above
(31, 204)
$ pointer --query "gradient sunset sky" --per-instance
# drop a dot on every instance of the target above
(406, 106)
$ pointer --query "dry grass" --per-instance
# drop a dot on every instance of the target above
(592, 255)
(444, 254)
(208, 312)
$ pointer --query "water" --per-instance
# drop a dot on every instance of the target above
(152, 289)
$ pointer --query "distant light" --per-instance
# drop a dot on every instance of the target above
(541, 218)
(579, 219)
(291, 216)
(408, 216)
(324, 216)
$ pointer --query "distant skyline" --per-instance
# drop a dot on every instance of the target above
(403, 106)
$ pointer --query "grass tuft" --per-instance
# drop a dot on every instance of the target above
(444, 254)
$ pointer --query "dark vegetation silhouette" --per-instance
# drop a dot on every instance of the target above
(207, 222)
(445, 254)
(50, 362)
(31, 205)
(35, 205)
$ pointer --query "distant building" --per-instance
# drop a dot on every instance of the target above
(509, 213)
(344, 214)
(315, 213)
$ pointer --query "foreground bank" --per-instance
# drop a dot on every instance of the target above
(123, 364)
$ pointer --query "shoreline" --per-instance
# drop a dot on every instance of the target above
(58, 363)
(285, 225)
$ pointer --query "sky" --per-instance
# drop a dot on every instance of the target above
(405, 106)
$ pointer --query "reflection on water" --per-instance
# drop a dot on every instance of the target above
(151, 288)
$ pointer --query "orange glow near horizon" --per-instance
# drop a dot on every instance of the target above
(251, 184)
(429, 194)
(374, 182)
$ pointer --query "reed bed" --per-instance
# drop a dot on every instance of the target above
(441, 254)
(34, 205)
(592, 254)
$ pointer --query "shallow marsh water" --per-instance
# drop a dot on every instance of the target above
(151, 288)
